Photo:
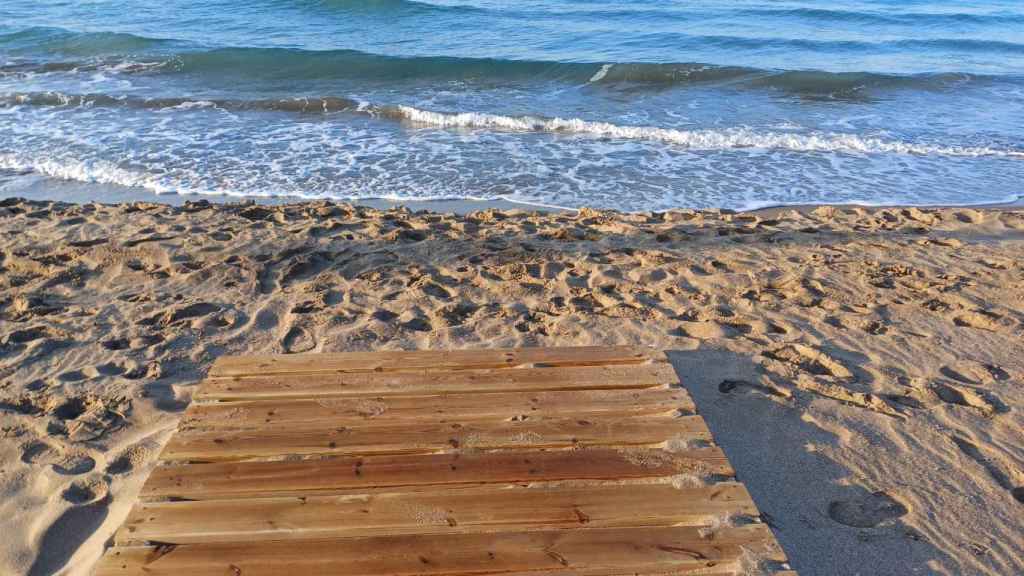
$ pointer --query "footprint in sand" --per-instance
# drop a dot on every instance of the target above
(873, 327)
(866, 512)
(1005, 474)
(26, 335)
(384, 316)
(970, 372)
(969, 216)
(38, 452)
(705, 330)
(964, 396)
(982, 320)
(307, 307)
(996, 264)
(298, 340)
(266, 319)
(70, 409)
(115, 344)
(134, 370)
(417, 324)
(223, 320)
(731, 386)
(87, 243)
(939, 305)
(26, 306)
(810, 360)
(86, 491)
(436, 290)
(304, 267)
(74, 464)
(131, 459)
(88, 417)
(457, 314)
(190, 311)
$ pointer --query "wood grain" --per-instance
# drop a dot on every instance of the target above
(450, 360)
(515, 462)
(512, 406)
(633, 550)
(419, 438)
(489, 509)
(347, 474)
(422, 382)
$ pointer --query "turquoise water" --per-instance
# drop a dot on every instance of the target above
(639, 105)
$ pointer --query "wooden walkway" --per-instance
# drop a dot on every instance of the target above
(565, 461)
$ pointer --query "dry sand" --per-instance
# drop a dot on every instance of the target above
(863, 369)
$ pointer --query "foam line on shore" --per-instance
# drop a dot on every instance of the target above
(739, 137)
(730, 138)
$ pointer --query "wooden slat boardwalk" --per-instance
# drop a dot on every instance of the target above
(566, 461)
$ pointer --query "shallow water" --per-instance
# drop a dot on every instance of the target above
(633, 105)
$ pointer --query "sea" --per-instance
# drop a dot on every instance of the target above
(631, 105)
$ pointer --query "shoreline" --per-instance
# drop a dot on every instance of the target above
(861, 367)
(47, 189)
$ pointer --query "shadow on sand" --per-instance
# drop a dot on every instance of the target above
(826, 524)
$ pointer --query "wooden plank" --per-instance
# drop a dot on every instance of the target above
(495, 406)
(532, 462)
(343, 474)
(426, 360)
(491, 509)
(416, 437)
(422, 382)
(634, 550)
(698, 569)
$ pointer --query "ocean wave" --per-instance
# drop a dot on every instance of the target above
(302, 105)
(835, 46)
(51, 40)
(727, 139)
(909, 18)
(295, 64)
(29, 68)
(276, 65)
(97, 172)
(708, 139)
(190, 184)
(975, 45)
(49, 50)
(384, 6)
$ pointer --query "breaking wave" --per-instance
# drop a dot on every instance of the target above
(305, 105)
(705, 139)
(726, 139)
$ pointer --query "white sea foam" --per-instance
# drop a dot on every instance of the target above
(194, 105)
(98, 172)
(107, 173)
(731, 138)
(600, 74)
(133, 67)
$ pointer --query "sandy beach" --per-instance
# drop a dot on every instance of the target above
(863, 369)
